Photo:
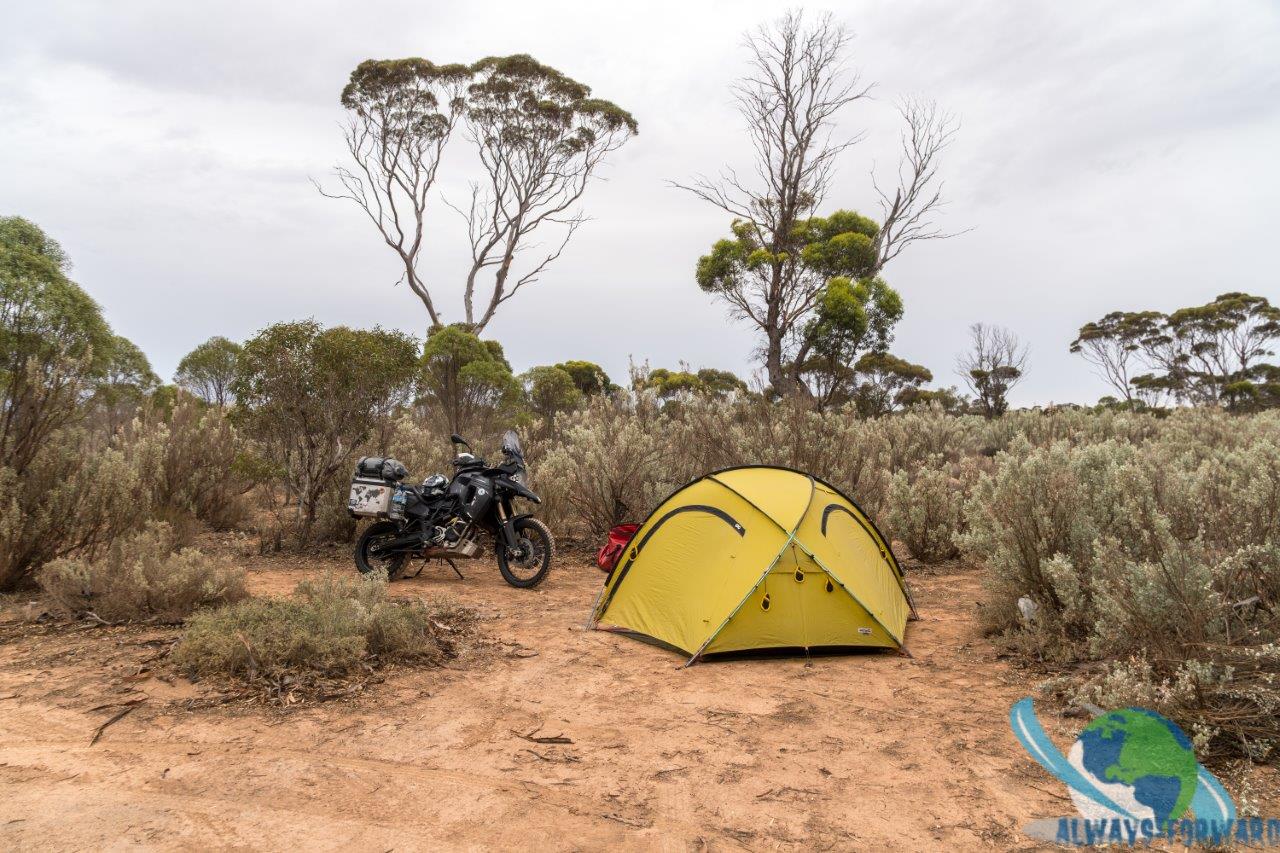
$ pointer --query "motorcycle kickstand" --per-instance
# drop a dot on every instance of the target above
(454, 566)
(419, 571)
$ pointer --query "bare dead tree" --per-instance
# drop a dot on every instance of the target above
(796, 86)
(540, 137)
(994, 363)
(908, 214)
(797, 83)
(402, 113)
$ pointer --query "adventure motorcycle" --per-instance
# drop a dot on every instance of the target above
(443, 519)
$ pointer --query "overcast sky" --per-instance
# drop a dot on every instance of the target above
(1112, 156)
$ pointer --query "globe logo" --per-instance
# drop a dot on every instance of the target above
(1141, 761)
(1133, 777)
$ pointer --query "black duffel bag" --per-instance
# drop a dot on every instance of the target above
(386, 469)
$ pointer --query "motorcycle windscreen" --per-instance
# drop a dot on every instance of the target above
(511, 443)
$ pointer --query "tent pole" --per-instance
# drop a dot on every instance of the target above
(791, 537)
(744, 600)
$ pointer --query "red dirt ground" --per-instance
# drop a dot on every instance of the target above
(864, 752)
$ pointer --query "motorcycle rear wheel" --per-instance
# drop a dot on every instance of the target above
(530, 566)
(373, 535)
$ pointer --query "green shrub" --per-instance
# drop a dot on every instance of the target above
(334, 626)
(78, 494)
(141, 577)
(200, 472)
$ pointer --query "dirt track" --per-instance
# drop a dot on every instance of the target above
(871, 752)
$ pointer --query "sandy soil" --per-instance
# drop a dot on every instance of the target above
(867, 752)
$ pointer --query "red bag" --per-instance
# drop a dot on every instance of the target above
(619, 536)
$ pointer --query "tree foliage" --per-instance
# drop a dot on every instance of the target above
(312, 396)
(1209, 354)
(746, 272)
(127, 381)
(685, 383)
(588, 377)
(209, 370)
(464, 382)
(55, 345)
(884, 382)
(852, 318)
(550, 390)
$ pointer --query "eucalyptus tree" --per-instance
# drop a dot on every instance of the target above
(313, 396)
(55, 345)
(1219, 344)
(209, 370)
(465, 384)
(1209, 354)
(588, 377)
(884, 382)
(1118, 346)
(995, 362)
(540, 137)
(797, 85)
(852, 319)
(401, 114)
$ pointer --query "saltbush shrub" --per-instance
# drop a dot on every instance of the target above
(612, 464)
(142, 578)
(334, 626)
(926, 510)
(1158, 560)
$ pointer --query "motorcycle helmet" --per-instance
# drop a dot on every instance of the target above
(435, 483)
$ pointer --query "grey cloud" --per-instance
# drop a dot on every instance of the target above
(1112, 156)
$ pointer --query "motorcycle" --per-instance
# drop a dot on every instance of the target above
(444, 519)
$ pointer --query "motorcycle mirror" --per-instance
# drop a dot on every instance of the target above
(457, 439)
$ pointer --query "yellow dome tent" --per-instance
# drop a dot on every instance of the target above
(757, 557)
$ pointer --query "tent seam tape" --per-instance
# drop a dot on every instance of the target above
(885, 553)
(813, 488)
(791, 537)
(855, 598)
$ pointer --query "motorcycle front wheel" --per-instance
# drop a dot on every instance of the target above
(529, 563)
(373, 536)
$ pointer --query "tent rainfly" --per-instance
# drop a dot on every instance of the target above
(757, 557)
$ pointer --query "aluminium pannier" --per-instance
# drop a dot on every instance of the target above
(370, 496)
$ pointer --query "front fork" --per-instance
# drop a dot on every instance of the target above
(505, 529)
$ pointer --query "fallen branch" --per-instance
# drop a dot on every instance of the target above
(777, 793)
(534, 737)
(623, 820)
(120, 715)
(137, 701)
